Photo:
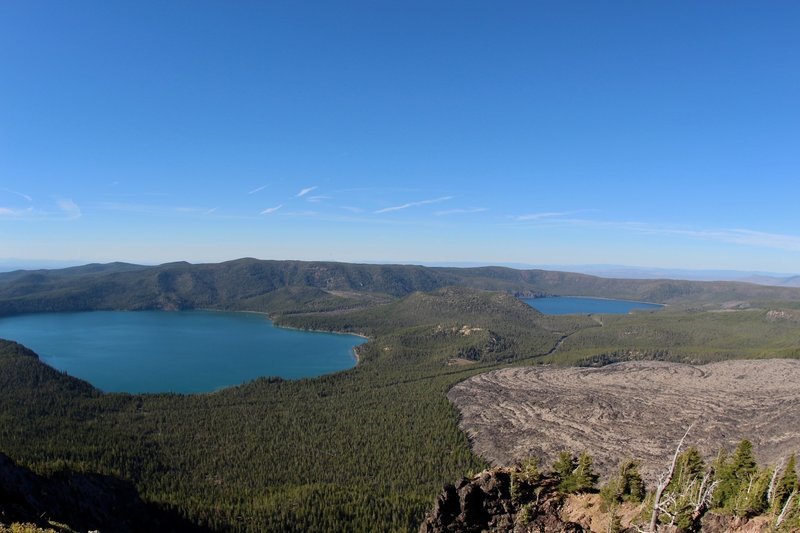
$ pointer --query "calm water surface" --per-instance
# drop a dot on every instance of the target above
(569, 305)
(187, 351)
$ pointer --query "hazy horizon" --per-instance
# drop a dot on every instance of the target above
(599, 270)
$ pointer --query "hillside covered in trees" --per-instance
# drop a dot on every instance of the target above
(364, 449)
(296, 286)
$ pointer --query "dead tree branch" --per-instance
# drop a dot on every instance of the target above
(774, 481)
(663, 482)
(786, 507)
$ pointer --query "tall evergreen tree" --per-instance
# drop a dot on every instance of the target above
(565, 464)
(627, 486)
(754, 494)
(585, 478)
(743, 463)
(690, 466)
(564, 467)
(634, 488)
(732, 474)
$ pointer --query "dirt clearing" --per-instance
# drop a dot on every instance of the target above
(634, 410)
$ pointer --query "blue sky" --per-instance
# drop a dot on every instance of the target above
(641, 133)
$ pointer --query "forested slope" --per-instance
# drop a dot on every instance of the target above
(291, 286)
(356, 450)
(363, 449)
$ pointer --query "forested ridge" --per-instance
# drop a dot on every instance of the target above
(295, 286)
(363, 449)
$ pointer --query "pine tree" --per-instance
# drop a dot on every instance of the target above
(752, 498)
(743, 463)
(734, 476)
(627, 486)
(616, 523)
(565, 467)
(690, 466)
(585, 478)
(720, 469)
(523, 478)
(565, 464)
(634, 489)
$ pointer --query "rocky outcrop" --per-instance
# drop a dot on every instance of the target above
(509, 500)
(714, 523)
(486, 503)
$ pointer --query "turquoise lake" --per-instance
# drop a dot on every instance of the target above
(187, 351)
(577, 305)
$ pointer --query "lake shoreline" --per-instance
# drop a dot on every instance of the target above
(589, 305)
(592, 298)
(353, 350)
(199, 351)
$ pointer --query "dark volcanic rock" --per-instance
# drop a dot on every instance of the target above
(485, 503)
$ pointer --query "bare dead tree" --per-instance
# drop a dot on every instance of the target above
(704, 494)
(658, 507)
(786, 507)
(774, 482)
(666, 504)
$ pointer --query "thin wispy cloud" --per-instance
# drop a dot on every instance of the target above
(305, 191)
(9, 212)
(69, 208)
(467, 211)
(379, 189)
(257, 189)
(17, 193)
(745, 237)
(210, 211)
(738, 236)
(151, 209)
(140, 194)
(317, 199)
(269, 210)
(64, 208)
(540, 216)
(413, 204)
(302, 213)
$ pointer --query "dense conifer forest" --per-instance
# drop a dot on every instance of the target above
(364, 449)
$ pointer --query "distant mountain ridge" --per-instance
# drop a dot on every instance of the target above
(293, 286)
(748, 276)
(791, 281)
(633, 272)
(73, 271)
(775, 279)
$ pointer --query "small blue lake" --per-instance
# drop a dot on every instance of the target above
(187, 351)
(578, 305)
